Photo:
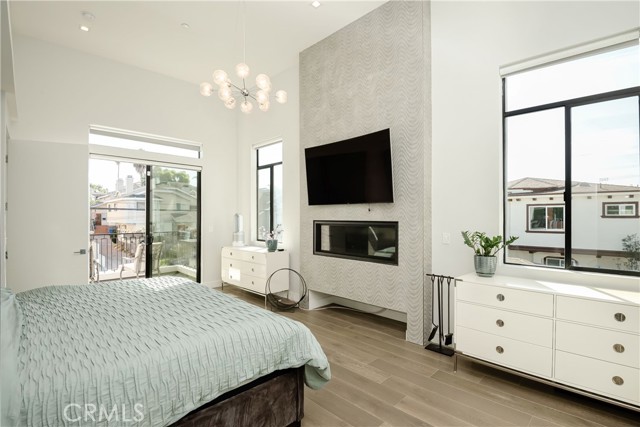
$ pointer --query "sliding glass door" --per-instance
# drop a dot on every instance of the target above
(145, 220)
(174, 222)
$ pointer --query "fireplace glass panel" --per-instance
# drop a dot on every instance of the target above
(366, 241)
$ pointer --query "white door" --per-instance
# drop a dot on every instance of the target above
(47, 218)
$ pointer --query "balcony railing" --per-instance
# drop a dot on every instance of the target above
(179, 252)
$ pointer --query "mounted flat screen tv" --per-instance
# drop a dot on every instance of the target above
(356, 170)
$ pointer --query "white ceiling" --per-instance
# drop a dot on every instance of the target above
(148, 34)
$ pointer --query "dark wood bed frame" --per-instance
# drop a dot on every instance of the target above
(275, 400)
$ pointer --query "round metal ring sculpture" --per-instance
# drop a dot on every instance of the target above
(284, 303)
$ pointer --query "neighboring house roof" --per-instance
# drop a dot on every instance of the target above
(140, 193)
(536, 186)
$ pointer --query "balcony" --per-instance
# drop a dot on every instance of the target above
(110, 250)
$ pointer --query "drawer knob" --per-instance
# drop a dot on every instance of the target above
(230, 264)
(500, 323)
(230, 253)
(252, 282)
(620, 317)
(500, 297)
(617, 380)
(252, 257)
(618, 348)
(252, 269)
(499, 349)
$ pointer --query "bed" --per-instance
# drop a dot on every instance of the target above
(153, 352)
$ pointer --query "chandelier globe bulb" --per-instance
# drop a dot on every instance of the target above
(281, 96)
(219, 77)
(206, 89)
(246, 106)
(242, 70)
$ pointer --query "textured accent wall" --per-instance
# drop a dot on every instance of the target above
(371, 75)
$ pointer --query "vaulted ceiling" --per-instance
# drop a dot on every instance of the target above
(187, 40)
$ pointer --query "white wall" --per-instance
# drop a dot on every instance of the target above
(62, 91)
(470, 41)
(280, 122)
(3, 186)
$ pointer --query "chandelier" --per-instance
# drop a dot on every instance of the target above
(232, 94)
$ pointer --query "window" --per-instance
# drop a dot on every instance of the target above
(572, 161)
(148, 143)
(269, 188)
(546, 218)
(554, 261)
(613, 210)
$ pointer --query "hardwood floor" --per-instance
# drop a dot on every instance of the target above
(379, 379)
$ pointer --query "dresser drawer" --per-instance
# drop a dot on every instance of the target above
(610, 346)
(506, 298)
(254, 257)
(232, 253)
(599, 313)
(231, 276)
(228, 263)
(517, 326)
(253, 283)
(602, 377)
(253, 269)
(505, 351)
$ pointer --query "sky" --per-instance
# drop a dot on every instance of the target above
(105, 173)
(605, 141)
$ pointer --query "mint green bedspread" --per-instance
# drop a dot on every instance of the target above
(155, 349)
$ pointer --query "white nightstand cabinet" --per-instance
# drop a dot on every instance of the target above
(249, 267)
(586, 339)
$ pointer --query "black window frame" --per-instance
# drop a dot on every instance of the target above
(567, 105)
(269, 166)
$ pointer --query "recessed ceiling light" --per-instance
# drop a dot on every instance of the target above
(84, 28)
(88, 16)
(315, 4)
(185, 25)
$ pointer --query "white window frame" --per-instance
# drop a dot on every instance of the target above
(606, 205)
(530, 209)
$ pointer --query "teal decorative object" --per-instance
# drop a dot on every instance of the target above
(272, 245)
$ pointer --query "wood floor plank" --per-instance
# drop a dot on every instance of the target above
(571, 403)
(367, 386)
(469, 402)
(539, 422)
(359, 367)
(406, 372)
(508, 399)
(342, 409)
(377, 407)
(316, 416)
(430, 414)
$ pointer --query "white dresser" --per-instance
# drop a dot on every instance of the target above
(249, 267)
(584, 338)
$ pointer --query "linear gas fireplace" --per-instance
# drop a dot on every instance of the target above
(358, 240)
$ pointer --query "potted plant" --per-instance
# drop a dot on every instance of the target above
(486, 248)
(271, 237)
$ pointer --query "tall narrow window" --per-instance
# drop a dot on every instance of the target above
(572, 162)
(269, 188)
